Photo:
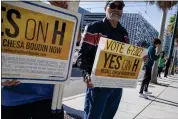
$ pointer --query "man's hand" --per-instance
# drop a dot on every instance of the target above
(62, 4)
(145, 57)
(10, 83)
(88, 82)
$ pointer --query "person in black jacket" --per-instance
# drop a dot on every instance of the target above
(101, 103)
(148, 64)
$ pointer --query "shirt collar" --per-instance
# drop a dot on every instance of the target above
(153, 45)
(106, 21)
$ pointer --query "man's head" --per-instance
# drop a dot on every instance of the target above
(114, 9)
(157, 42)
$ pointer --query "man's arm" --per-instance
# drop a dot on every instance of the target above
(126, 37)
(85, 54)
(152, 54)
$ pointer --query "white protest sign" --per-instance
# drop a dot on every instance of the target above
(117, 65)
(38, 41)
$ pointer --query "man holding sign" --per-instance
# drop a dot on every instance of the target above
(101, 102)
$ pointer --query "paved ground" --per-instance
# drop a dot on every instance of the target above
(163, 103)
(76, 85)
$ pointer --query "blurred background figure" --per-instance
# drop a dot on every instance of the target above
(161, 64)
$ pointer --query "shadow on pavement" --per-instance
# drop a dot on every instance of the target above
(162, 84)
(167, 79)
(173, 87)
(77, 114)
(163, 101)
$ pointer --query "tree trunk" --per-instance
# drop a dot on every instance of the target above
(155, 67)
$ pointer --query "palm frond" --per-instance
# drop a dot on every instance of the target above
(172, 19)
(166, 4)
(171, 24)
(163, 4)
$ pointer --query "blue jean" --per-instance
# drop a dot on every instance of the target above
(102, 103)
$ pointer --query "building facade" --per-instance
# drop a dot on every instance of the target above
(167, 43)
(138, 28)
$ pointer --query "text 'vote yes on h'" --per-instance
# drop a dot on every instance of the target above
(115, 46)
(119, 62)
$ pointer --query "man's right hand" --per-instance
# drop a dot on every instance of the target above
(88, 82)
(10, 83)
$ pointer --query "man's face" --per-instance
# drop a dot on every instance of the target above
(114, 10)
(157, 45)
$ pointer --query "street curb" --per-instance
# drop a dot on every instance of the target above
(76, 78)
(73, 97)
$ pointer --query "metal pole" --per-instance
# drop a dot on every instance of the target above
(174, 63)
(172, 47)
(59, 88)
(55, 98)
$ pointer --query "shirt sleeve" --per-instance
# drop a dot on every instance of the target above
(85, 53)
(152, 55)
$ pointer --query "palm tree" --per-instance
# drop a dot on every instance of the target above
(171, 25)
(164, 6)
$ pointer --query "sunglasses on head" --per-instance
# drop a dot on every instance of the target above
(114, 6)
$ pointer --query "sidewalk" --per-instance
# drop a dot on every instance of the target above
(163, 103)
